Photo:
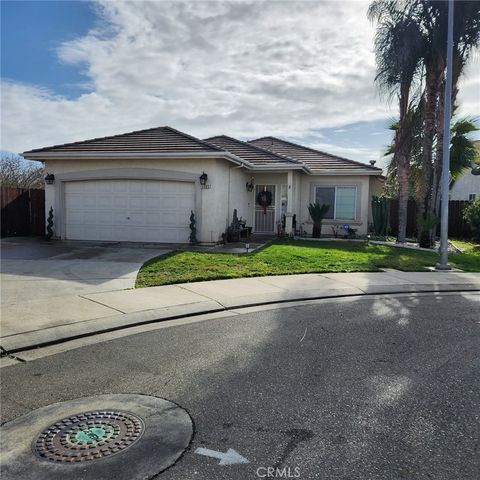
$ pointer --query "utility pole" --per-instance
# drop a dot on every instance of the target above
(443, 263)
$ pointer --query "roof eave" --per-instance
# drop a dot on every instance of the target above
(347, 172)
(282, 166)
(42, 156)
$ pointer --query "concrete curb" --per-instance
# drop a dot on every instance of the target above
(63, 333)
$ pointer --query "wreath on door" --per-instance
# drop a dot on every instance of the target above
(264, 198)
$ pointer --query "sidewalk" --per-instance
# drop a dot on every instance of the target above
(33, 324)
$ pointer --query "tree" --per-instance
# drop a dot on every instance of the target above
(19, 173)
(317, 214)
(398, 47)
(466, 37)
(463, 152)
(471, 215)
(424, 22)
(432, 18)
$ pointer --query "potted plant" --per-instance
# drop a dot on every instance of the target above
(317, 214)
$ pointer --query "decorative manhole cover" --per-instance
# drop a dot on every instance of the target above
(88, 436)
(85, 445)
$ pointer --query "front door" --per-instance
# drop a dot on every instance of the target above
(264, 215)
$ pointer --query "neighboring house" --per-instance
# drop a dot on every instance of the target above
(141, 186)
(467, 187)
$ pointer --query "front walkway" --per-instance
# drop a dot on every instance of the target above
(83, 314)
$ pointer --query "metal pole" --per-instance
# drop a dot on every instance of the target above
(443, 263)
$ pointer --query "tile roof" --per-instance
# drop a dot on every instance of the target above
(159, 139)
(317, 161)
(252, 153)
(261, 152)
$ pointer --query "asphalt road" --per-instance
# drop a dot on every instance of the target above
(371, 388)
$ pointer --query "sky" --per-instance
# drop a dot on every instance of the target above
(303, 71)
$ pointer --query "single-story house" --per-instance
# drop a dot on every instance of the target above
(467, 187)
(142, 186)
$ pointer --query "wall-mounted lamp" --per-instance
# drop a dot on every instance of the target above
(476, 170)
(50, 179)
(250, 185)
(203, 178)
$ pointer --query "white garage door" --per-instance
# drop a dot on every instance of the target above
(129, 210)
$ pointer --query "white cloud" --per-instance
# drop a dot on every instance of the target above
(241, 68)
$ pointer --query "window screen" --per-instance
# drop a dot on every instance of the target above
(345, 205)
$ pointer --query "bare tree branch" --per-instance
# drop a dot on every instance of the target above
(19, 173)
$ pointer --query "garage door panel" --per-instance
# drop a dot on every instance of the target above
(185, 203)
(169, 219)
(136, 201)
(104, 201)
(103, 232)
(154, 202)
(90, 187)
(153, 219)
(119, 202)
(104, 218)
(120, 187)
(168, 203)
(129, 210)
(80, 201)
(120, 219)
(137, 186)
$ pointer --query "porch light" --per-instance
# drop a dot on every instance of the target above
(203, 178)
(250, 185)
(50, 179)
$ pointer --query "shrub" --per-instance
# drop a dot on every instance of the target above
(50, 224)
(471, 214)
(193, 229)
(317, 213)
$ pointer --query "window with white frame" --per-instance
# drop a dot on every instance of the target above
(342, 201)
(472, 197)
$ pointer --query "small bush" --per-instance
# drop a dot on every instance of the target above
(471, 214)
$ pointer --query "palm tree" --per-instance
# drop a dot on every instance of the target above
(413, 127)
(424, 22)
(398, 48)
(431, 17)
(317, 213)
(463, 153)
(466, 38)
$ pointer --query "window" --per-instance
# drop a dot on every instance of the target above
(472, 197)
(326, 196)
(342, 201)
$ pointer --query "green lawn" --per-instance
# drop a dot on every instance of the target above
(469, 259)
(288, 257)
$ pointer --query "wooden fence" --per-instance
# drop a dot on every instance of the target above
(23, 211)
(456, 225)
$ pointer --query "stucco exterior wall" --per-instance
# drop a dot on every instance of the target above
(464, 186)
(211, 204)
(214, 205)
(307, 195)
(240, 199)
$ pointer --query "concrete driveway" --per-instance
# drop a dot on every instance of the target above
(48, 279)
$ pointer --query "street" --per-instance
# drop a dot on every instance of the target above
(379, 387)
